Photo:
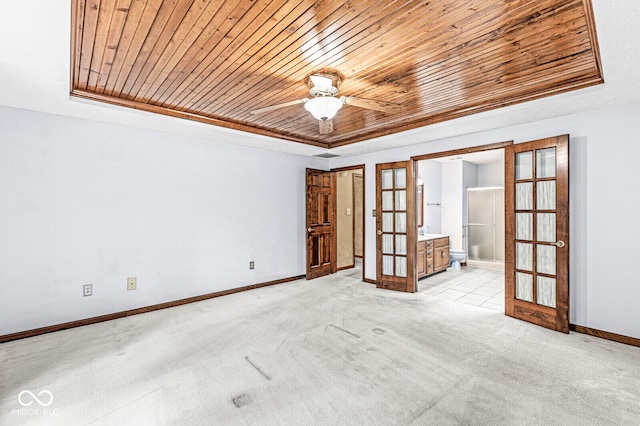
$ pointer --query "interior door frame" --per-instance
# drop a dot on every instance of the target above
(557, 317)
(364, 216)
(310, 274)
(409, 283)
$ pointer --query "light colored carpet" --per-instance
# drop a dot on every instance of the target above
(328, 351)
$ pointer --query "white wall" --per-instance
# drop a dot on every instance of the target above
(604, 151)
(84, 202)
(491, 174)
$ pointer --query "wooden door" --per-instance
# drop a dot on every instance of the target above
(537, 232)
(321, 223)
(395, 226)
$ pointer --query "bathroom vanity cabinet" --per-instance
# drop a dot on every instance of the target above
(433, 254)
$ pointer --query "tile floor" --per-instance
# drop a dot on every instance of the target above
(472, 285)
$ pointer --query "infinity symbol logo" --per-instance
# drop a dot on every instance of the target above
(22, 398)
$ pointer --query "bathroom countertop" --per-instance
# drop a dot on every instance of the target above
(426, 237)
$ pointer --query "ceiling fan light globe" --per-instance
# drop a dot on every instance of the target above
(323, 108)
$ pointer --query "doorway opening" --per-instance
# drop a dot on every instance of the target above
(350, 218)
(462, 199)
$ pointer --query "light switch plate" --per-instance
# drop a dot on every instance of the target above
(87, 290)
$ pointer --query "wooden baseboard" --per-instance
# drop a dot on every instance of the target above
(605, 335)
(346, 267)
(122, 314)
(370, 281)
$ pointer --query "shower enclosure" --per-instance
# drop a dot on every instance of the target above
(485, 224)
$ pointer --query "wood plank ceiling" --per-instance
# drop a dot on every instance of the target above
(215, 61)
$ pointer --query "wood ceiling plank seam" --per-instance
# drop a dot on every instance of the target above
(217, 56)
(495, 101)
(345, 92)
(142, 30)
(223, 80)
(162, 43)
(168, 64)
(298, 68)
(160, 21)
(290, 54)
(102, 31)
(195, 72)
(486, 58)
(196, 53)
(433, 33)
(257, 88)
(114, 36)
(297, 71)
(281, 21)
(445, 93)
(215, 86)
(128, 31)
(449, 115)
(443, 32)
(163, 88)
(77, 31)
(501, 95)
(92, 12)
(481, 50)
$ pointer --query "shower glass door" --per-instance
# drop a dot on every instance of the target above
(485, 224)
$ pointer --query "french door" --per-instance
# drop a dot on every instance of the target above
(321, 223)
(395, 226)
(537, 232)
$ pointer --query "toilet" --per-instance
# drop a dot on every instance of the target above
(457, 257)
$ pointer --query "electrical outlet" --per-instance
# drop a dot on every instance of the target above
(132, 283)
(87, 290)
(252, 265)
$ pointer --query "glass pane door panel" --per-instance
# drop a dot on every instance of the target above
(524, 256)
(546, 195)
(401, 178)
(401, 200)
(546, 163)
(387, 265)
(387, 200)
(546, 291)
(524, 226)
(401, 244)
(387, 243)
(387, 222)
(401, 222)
(524, 196)
(401, 266)
(524, 165)
(524, 287)
(546, 259)
(546, 227)
(387, 179)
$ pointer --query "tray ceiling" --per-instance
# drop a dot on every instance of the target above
(215, 61)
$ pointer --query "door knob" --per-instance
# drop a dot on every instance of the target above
(379, 232)
(559, 243)
(309, 229)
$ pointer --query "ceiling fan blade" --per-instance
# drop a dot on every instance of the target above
(278, 106)
(383, 106)
(326, 126)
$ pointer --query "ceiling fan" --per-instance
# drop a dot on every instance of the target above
(324, 103)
